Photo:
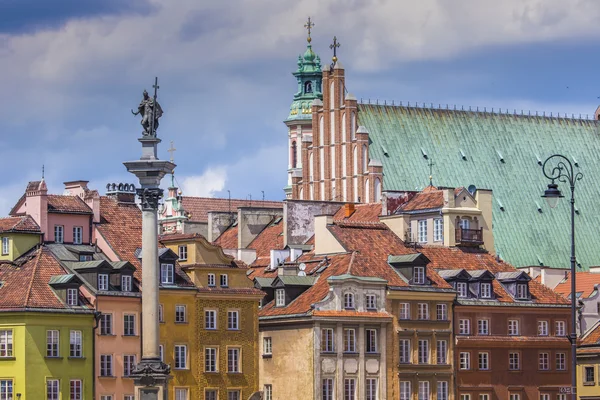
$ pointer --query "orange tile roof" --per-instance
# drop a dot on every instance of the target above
(178, 236)
(362, 213)
(271, 238)
(67, 205)
(425, 200)
(585, 283)
(351, 314)
(199, 207)
(592, 336)
(24, 224)
(229, 238)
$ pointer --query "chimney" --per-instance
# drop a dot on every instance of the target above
(76, 188)
(36, 203)
(349, 209)
(121, 192)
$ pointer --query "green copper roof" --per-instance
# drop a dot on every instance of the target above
(501, 152)
(309, 78)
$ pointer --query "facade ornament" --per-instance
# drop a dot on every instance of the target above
(149, 198)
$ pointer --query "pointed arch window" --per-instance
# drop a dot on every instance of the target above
(294, 154)
(331, 96)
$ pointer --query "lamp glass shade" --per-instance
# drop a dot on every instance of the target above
(552, 195)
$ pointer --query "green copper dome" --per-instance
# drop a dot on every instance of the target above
(309, 79)
(309, 55)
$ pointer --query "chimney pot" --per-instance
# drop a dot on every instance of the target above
(349, 210)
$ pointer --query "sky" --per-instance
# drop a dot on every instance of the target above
(72, 70)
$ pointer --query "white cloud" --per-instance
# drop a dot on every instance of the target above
(206, 185)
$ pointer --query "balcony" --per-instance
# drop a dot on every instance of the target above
(469, 237)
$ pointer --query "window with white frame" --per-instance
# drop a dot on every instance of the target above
(181, 394)
(59, 233)
(106, 324)
(423, 390)
(267, 346)
(419, 275)
(52, 389)
(349, 340)
(404, 310)
(210, 319)
(6, 343)
(513, 327)
(486, 290)
(483, 327)
(514, 361)
(180, 356)
(349, 389)
(442, 352)
(128, 364)
(129, 397)
(233, 320)
(422, 230)
(561, 397)
(106, 397)
(484, 360)
(280, 297)
(233, 360)
(6, 389)
(465, 360)
(514, 396)
(233, 395)
(102, 281)
(543, 328)
(327, 389)
(72, 297)
(544, 396)
(464, 326)
(86, 257)
(52, 341)
(76, 389)
(561, 361)
(559, 328)
(544, 361)
(76, 344)
(180, 314)
(484, 396)
(423, 350)
(371, 389)
(422, 311)
(268, 392)
(349, 301)
(5, 245)
(106, 365)
(521, 290)
(125, 283)
(167, 274)
(371, 340)
(441, 312)
(461, 288)
(77, 234)
(405, 355)
(211, 280)
(465, 223)
(210, 359)
(405, 392)
(327, 340)
(224, 280)
(128, 325)
(183, 252)
(442, 390)
(438, 230)
(371, 302)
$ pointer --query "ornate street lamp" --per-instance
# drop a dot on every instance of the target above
(561, 169)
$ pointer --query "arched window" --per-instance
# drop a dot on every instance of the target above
(344, 138)
(355, 161)
(341, 95)
(331, 96)
(294, 154)
(333, 194)
(321, 132)
(301, 194)
(365, 161)
(367, 191)
(377, 190)
(332, 127)
(332, 165)
(310, 167)
(312, 193)
(353, 126)
(308, 87)
(343, 160)
(349, 301)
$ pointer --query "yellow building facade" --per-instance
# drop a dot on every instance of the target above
(588, 364)
(18, 235)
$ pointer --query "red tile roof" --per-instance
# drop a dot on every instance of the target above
(585, 283)
(362, 213)
(592, 336)
(24, 224)
(67, 205)
(351, 314)
(229, 238)
(425, 200)
(270, 238)
(199, 207)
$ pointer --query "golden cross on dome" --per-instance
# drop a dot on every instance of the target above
(309, 25)
(334, 47)
(171, 151)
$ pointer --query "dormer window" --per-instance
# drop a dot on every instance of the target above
(126, 283)
(521, 290)
(224, 281)
(85, 257)
(183, 252)
(72, 297)
(461, 288)
(102, 281)
(371, 302)
(211, 280)
(279, 298)
(166, 274)
(486, 290)
(349, 301)
(419, 275)
(5, 245)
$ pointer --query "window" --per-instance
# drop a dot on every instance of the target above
(484, 396)
(128, 364)
(52, 391)
(544, 363)
(85, 257)
(210, 394)
(327, 340)
(514, 362)
(419, 275)
(349, 389)
(327, 389)
(268, 391)
(128, 397)
(233, 395)
(129, 325)
(5, 245)
(52, 340)
(486, 290)
(484, 361)
(166, 274)
(210, 319)
(561, 397)
(371, 302)
(210, 359)
(461, 288)
(543, 328)
(404, 311)
(223, 280)
(349, 340)
(126, 283)
(560, 328)
(422, 230)
(371, 337)
(442, 312)
(161, 313)
(106, 397)
(588, 375)
(211, 280)
(441, 352)
(180, 314)
(513, 327)
(102, 281)
(405, 392)
(183, 252)
(59, 233)
(267, 346)
(404, 351)
(76, 344)
(561, 361)
(161, 353)
(279, 297)
(483, 327)
(442, 390)
(465, 223)
(422, 311)
(76, 388)
(544, 396)
(465, 360)
(106, 324)
(77, 234)
(181, 394)
(464, 327)
(233, 360)
(423, 390)
(106, 365)
(6, 389)
(371, 389)
(423, 351)
(72, 297)
(233, 320)
(521, 290)
(438, 230)
(349, 301)
(6, 343)
(514, 396)
(180, 356)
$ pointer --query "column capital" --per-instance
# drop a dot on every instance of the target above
(149, 198)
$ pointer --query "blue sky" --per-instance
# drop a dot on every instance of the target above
(71, 73)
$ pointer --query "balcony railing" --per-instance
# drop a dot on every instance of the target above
(469, 237)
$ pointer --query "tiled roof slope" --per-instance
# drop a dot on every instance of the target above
(362, 213)
(270, 238)
(229, 238)
(521, 233)
(425, 200)
(585, 283)
(592, 337)
(67, 205)
(200, 206)
(24, 224)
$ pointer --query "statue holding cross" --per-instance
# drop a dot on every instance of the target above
(150, 111)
